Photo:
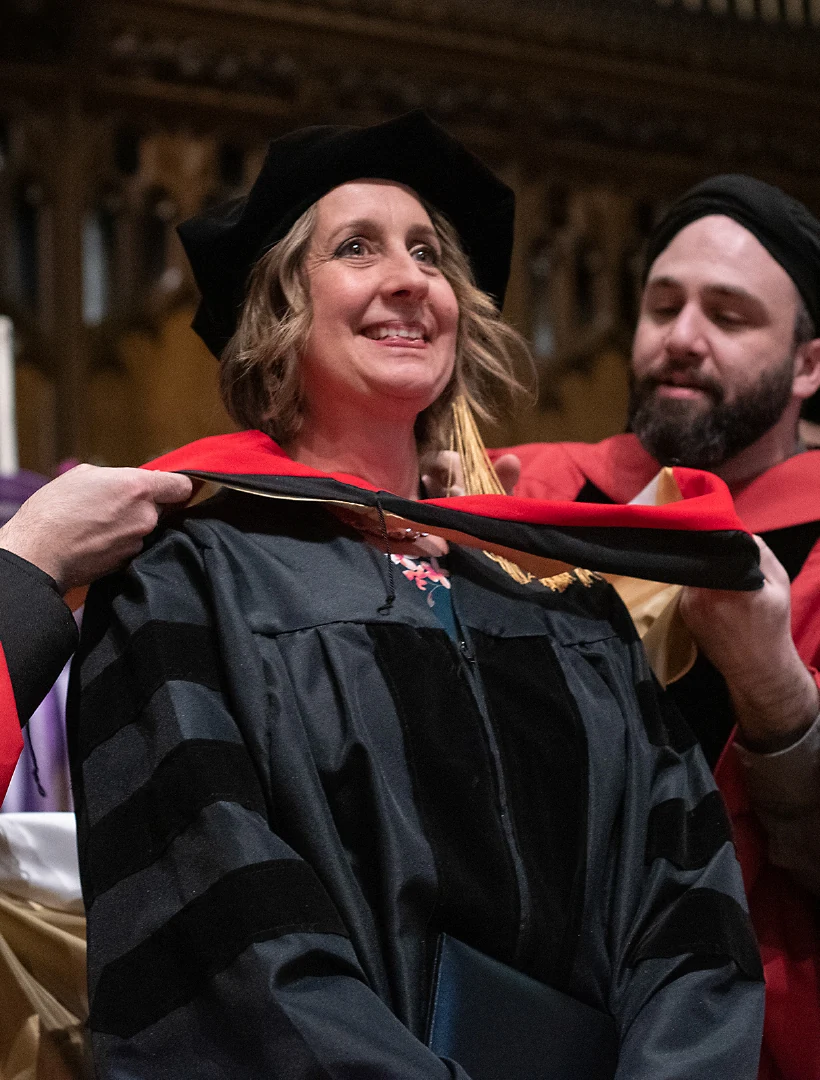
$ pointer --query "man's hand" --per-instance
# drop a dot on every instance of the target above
(90, 520)
(747, 636)
(443, 475)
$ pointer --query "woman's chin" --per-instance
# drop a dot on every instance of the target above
(411, 397)
(413, 389)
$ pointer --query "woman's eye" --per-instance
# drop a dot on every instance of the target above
(426, 254)
(355, 248)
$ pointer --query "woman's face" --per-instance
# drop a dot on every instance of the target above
(385, 319)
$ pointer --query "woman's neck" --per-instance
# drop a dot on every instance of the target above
(382, 452)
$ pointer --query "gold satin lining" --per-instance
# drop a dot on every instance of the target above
(655, 607)
(43, 996)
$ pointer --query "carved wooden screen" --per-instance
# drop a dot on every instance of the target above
(789, 12)
(120, 118)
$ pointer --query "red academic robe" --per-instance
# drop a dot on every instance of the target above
(784, 914)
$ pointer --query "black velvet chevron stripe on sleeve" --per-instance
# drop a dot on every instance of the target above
(173, 965)
(157, 653)
(196, 774)
(703, 922)
(687, 838)
(183, 821)
(662, 720)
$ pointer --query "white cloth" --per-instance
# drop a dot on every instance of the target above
(38, 859)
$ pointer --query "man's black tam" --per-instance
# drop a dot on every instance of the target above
(224, 244)
(788, 231)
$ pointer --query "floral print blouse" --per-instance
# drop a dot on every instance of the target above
(432, 578)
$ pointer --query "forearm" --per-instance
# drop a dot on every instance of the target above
(36, 547)
(775, 702)
(784, 789)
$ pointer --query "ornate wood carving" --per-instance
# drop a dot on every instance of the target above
(120, 117)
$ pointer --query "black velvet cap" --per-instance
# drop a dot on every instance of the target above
(788, 231)
(224, 244)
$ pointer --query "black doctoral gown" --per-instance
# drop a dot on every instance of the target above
(287, 788)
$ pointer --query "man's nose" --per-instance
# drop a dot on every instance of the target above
(687, 334)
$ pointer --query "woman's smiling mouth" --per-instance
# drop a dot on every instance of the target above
(403, 335)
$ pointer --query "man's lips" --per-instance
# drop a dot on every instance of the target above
(681, 393)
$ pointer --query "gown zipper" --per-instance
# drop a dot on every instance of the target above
(469, 665)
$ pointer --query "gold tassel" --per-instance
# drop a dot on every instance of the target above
(480, 478)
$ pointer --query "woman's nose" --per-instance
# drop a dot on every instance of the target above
(404, 277)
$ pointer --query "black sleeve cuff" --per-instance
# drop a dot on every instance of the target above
(37, 630)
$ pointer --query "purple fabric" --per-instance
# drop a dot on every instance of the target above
(14, 490)
(46, 735)
(46, 729)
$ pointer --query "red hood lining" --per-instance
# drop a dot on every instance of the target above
(707, 504)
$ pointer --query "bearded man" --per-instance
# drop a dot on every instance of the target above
(725, 354)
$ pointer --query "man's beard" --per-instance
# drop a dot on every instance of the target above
(703, 435)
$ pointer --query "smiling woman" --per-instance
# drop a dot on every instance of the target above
(393, 262)
(309, 745)
(383, 334)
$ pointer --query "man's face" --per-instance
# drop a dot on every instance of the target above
(713, 355)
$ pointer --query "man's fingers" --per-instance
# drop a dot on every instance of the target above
(169, 488)
(508, 470)
(437, 489)
(442, 474)
(770, 566)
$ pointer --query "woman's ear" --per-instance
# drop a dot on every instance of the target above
(807, 369)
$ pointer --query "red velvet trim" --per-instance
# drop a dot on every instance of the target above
(785, 495)
(707, 504)
(11, 738)
(242, 453)
(618, 466)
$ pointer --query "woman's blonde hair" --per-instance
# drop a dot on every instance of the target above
(259, 374)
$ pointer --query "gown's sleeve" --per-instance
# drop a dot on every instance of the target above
(37, 636)
(214, 949)
(688, 991)
(784, 789)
